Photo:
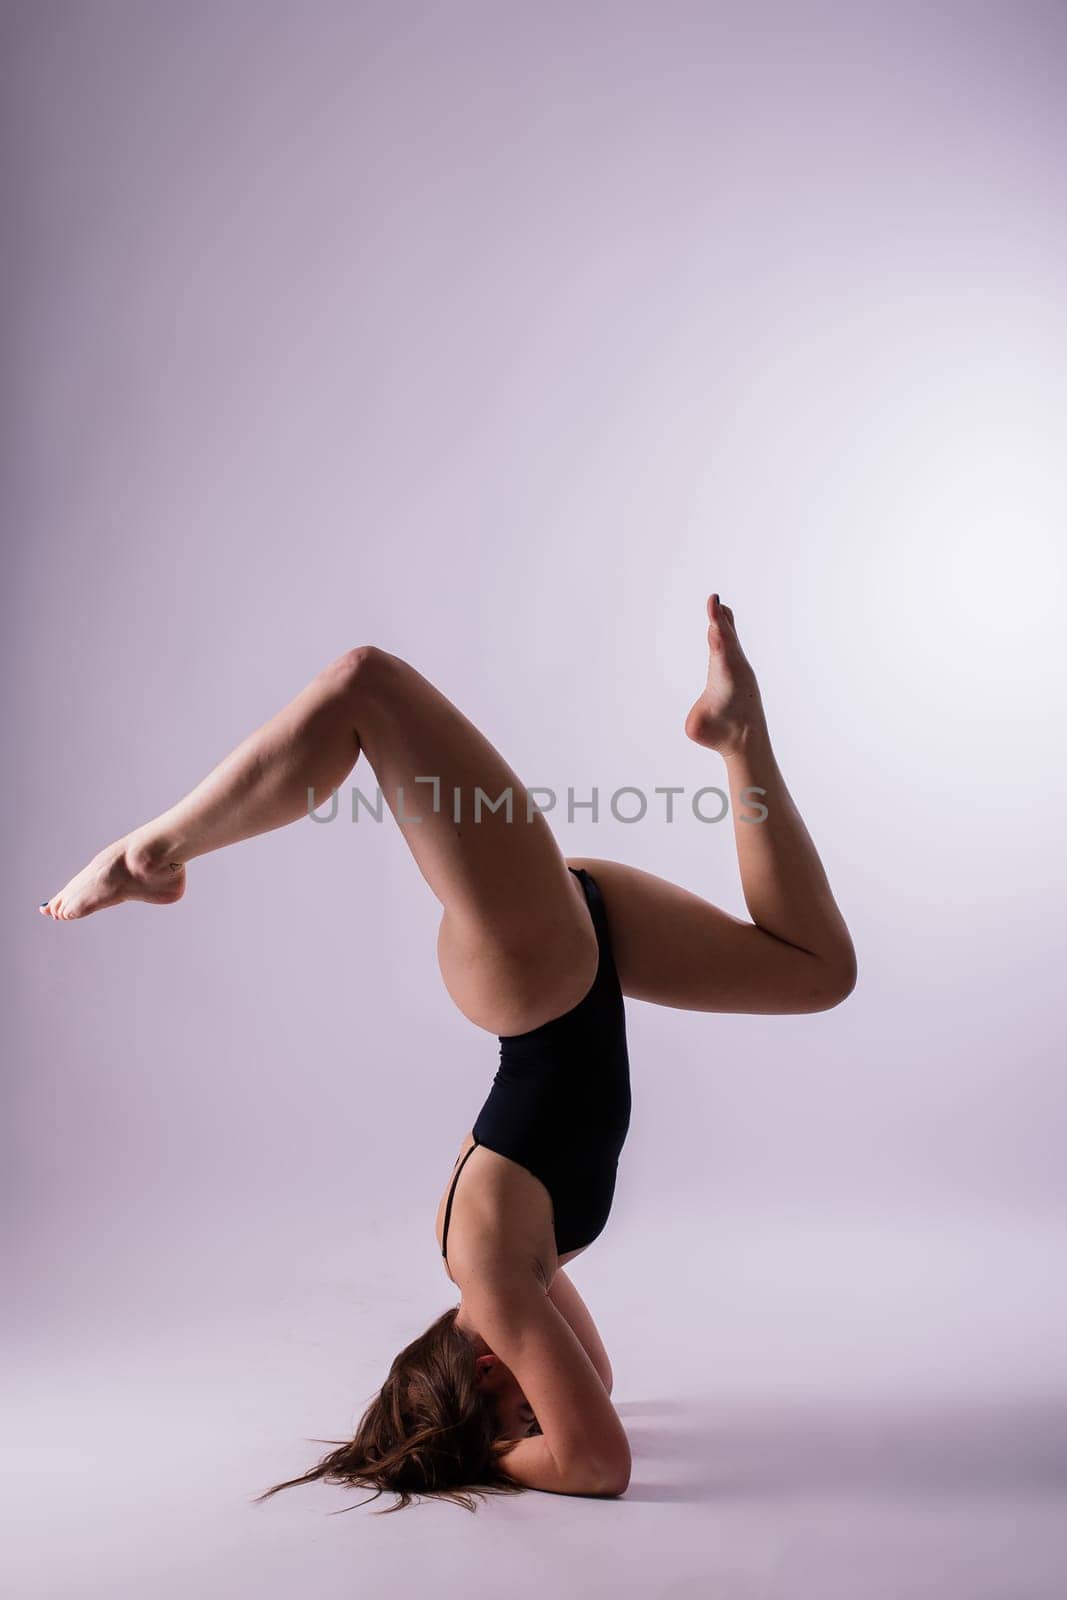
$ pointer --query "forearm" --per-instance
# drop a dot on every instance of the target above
(785, 886)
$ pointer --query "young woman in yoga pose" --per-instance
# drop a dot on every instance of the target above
(511, 1388)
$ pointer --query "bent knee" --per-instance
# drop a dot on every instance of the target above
(838, 983)
(365, 663)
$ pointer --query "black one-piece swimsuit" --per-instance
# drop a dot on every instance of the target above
(560, 1102)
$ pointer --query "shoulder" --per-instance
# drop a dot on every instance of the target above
(499, 1224)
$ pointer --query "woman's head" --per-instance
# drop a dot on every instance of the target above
(443, 1418)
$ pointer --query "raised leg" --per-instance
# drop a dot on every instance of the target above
(676, 949)
(516, 944)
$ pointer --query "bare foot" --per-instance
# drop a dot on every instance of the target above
(126, 870)
(730, 706)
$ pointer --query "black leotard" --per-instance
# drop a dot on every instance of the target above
(560, 1101)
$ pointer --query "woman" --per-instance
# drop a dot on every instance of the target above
(511, 1388)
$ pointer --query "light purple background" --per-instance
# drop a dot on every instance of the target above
(498, 335)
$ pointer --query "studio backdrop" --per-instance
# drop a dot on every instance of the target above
(499, 337)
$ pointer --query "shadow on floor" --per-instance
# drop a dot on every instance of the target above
(708, 1452)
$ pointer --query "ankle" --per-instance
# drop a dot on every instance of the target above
(148, 850)
(750, 741)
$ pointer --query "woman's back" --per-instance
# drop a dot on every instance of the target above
(538, 1168)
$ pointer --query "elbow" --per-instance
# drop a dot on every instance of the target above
(611, 1477)
(606, 1476)
(614, 1482)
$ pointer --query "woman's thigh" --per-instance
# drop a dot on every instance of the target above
(516, 944)
(674, 948)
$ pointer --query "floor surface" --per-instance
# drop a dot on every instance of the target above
(871, 1413)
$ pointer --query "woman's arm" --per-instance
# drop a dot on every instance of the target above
(569, 1303)
(583, 1447)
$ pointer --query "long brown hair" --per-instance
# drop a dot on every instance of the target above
(429, 1430)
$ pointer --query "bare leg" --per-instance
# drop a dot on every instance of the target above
(261, 785)
(674, 948)
(516, 943)
(785, 887)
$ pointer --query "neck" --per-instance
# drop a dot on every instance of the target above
(465, 1325)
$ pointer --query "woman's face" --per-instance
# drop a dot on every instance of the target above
(514, 1414)
(515, 1417)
